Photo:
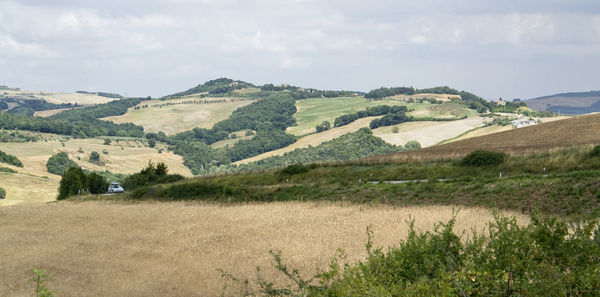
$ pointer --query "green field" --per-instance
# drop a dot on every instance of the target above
(314, 111)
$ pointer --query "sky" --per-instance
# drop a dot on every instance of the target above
(505, 48)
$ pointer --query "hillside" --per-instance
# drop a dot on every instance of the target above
(568, 103)
(576, 131)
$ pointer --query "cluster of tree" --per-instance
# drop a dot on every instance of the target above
(390, 119)
(301, 93)
(264, 141)
(350, 146)
(29, 106)
(102, 94)
(59, 163)
(369, 112)
(75, 181)
(216, 86)
(269, 117)
(152, 174)
(10, 159)
(438, 90)
(113, 108)
(386, 92)
(324, 126)
(79, 129)
(16, 136)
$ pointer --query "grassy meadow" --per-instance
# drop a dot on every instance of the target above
(178, 116)
(174, 249)
(59, 97)
(314, 111)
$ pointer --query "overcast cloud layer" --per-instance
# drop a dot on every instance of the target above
(508, 49)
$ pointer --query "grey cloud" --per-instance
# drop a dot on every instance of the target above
(489, 47)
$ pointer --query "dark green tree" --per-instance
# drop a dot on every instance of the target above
(73, 182)
(97, 184)
(324, 126)
(94, 157)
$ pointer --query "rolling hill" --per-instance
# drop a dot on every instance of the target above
(576, 131)
(568, 103)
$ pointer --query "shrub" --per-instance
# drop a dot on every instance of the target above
(73, 182)
(2, 193)
(152, 174)
(324, 126)
(412, 145)
(151, 143)
(107, 141)
(10, 159)
(97, 184)
(297, 169)
(595, 151)
(59, 163)
(94, 157)
(544, 258)
(483, 158)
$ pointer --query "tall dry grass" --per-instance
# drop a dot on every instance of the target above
(173, 249)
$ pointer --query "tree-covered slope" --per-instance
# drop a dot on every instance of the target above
(351, 146)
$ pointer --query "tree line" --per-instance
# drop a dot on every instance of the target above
(369, 112)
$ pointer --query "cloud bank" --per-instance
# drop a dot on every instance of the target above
(494, 48)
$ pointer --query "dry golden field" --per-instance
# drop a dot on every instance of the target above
(178, 117)
(575, 131)
(50, 112)
(34, 183)
(173, 249)
(427, 133)
(58, 98)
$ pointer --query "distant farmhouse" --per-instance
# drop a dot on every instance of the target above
(523, 122)
(499, 102)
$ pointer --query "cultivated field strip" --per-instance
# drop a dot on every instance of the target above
(173, 249)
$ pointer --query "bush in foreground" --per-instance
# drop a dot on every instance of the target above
(483, 158)
(545, 258)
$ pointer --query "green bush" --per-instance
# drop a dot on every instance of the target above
(94, 157)
(595, 151)
(483, 158)
(10, 159)
(59, 163)
(297, 169)
(74, 181)
(2, 193)
(324, 126)
(97, 184)
(545, 258)
(412, 145)
(152, 174)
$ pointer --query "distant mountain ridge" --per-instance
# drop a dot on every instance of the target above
(568, 103)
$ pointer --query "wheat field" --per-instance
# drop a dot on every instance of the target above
(111, 248)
